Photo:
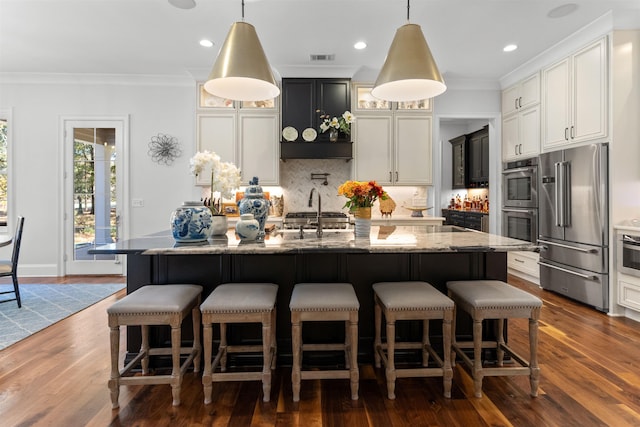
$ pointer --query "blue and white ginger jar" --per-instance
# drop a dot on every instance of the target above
(247, 228)
(191, 222)
(254, 203)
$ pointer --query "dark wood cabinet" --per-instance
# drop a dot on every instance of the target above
(466, 219)
(459, 162)
(305, 100)
(478, 146)
(470, 160)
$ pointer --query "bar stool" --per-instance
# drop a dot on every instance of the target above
(322, 302)
(493, 299)
(412, 301)
(155, 305)
(239, 303)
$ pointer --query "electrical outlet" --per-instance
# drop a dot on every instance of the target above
(137, 203)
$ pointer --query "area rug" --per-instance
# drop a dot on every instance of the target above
(44, 304)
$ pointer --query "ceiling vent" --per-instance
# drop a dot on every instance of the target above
(322, 57)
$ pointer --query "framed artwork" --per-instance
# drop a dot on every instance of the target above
(230, 209)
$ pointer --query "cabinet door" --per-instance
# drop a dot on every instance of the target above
(373, 155)
(556, 104)
(259, 154)
(510, 100)
(530, 132)
(479, 158)
(458, 163)
(217, 133)
(510, 137)
(589, 103)
(298, 104)
(413, 155)
(529, 92)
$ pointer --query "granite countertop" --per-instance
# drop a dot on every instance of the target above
(389, 239)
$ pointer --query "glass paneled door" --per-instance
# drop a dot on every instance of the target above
(92, 195)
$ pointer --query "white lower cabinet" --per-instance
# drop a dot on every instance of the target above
(524, 262)
(629, 291)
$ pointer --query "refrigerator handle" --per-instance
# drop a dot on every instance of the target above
(557, 194)
(566, 194)
(565, 270)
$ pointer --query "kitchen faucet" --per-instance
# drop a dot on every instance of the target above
(319, 224)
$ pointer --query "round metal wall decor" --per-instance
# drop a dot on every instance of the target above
(164, 149)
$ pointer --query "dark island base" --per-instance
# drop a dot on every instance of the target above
(361, 270)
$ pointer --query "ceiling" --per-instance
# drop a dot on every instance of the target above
(152, 37)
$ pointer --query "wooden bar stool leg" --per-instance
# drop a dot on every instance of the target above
(266, 355)
(197, 344)
(207, 331)
(377, 343)
(353, 351)
(223, 347)
(447, 322)
(500, 342)
(533, 349)
(114, 381)
(477, 357)
(347, 345)
(296, 345)
(176, 375)
(391, 366)
(425, 342)
(144, 349)
(453, 337)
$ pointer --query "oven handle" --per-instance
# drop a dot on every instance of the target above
(527, 211)
(586, 251)
(630, 246)
(584, 276)
(517, 170)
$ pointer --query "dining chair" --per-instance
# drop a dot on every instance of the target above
(10, 267)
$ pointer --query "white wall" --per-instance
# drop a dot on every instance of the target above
(37, 108)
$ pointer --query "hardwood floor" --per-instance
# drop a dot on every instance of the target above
(590, 376)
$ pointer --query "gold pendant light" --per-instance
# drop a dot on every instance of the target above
(241, 71)
(409, 73)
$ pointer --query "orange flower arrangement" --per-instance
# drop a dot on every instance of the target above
(361, 194)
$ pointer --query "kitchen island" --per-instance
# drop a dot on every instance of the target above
(435, 254)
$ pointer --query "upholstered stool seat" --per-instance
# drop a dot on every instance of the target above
(412, 301)
(155, 305)
(493, 299)
(324, 302)
(239, 303)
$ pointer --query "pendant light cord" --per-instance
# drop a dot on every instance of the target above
(408, 1)
(242, 10)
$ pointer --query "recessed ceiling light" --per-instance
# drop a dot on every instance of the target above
(206, 43)
(183, 4)
(510, 48)
(562, 10)
(360, 45)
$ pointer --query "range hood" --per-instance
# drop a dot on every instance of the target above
(316, 150)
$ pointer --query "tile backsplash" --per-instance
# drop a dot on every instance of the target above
(296, 185)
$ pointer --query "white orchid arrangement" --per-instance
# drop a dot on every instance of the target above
(225, 177)
(342, 123)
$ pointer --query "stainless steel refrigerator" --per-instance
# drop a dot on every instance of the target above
(573, 228)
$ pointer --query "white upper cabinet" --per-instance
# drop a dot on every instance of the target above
(575, 98)
(244, 133)
(522, 95)
(392, 141)
(521, 119)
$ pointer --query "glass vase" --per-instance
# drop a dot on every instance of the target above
(333, 135)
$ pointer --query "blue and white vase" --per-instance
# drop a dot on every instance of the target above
(254, 203)
(191, 222)
(247, 228)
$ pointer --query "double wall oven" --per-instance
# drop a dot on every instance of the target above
(520, 199)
